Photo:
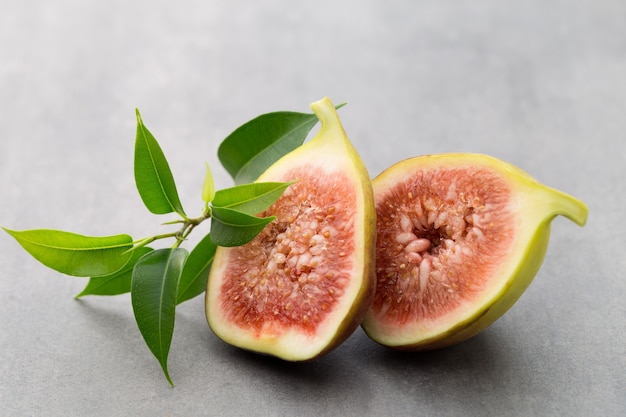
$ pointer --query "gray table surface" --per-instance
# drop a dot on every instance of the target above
(537, 83)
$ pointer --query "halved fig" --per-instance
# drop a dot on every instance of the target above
(459, 239)
(303, 285)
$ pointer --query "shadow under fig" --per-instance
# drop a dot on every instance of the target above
(486, 351)
(332, 377)
(358, 369)
(317, 371)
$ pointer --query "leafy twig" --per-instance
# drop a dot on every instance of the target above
(160, 279)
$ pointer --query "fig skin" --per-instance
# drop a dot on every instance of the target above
(533, 206)
(329, 151)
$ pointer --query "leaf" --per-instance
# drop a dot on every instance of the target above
(116, 283)
(234, 228)
(153, 177)
(153, 295)
(250, 198)
(208, 188)
(253, 147)
(196, 270)
(73, 254)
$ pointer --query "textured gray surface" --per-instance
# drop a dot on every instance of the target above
(537, 83)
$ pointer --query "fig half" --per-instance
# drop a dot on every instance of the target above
(303, 285)
(459, 239)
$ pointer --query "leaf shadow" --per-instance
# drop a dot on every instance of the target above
(112, 320)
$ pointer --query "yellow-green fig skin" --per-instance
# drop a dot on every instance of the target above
(536, 206)
(329, 150)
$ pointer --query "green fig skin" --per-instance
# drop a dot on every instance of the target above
(329, 151)
(536, 206)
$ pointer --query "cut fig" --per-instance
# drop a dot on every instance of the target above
(459, 239)
(303, 285)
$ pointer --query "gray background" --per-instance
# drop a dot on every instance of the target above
(539, 83)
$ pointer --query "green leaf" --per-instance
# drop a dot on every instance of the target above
(76, 255)
(153, 177)
(116, 283)
(196, 270)
(250, 198)
(234, 228)
(208, 188)
(248, 151)
(251, 148)
(153, 295)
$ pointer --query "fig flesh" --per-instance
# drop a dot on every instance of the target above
(303, 285)
(459, 239)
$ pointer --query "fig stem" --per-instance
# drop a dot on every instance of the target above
(560, 203)
(329, 119)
